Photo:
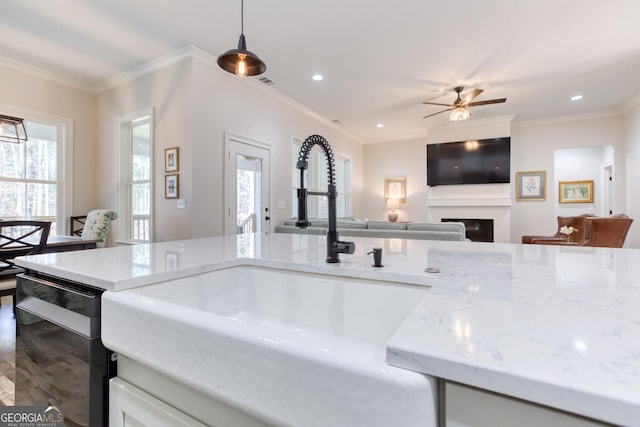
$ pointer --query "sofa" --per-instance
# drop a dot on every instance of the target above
(352, 227)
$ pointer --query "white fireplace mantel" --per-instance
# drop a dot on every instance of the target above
(472, 202)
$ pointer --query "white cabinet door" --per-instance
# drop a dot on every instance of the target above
(471, 407)
(131, 407)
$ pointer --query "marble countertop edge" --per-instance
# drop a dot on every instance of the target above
(571, 398)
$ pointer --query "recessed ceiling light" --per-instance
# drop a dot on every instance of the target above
(317, 77)
(576, 97)
(380, 125)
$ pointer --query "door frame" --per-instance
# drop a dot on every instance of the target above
(230, 168)
(607, 189)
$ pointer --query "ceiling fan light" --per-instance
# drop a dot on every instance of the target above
(458, 114)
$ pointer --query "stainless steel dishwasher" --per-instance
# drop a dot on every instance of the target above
(60, 359)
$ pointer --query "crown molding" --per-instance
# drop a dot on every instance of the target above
(44, 74)
(564, 119)
(255, 83)
(397, 139)
(154, 65)
(630, 103)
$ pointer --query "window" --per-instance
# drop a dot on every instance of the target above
(136, 169)
(316, 179)
(31, 175)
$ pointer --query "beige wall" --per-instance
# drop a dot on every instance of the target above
(37, 94)
(168, 92)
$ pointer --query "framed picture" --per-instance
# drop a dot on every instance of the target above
(531, 185)
(171, 160)
(171, 186)
(576, 192)
(395, 188)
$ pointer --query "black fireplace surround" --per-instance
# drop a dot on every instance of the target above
(476, 230)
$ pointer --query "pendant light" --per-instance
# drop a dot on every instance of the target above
(241, 61)
(12, 129)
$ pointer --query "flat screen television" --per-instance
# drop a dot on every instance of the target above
(484, 161)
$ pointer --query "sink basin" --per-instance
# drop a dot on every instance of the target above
(287, 347)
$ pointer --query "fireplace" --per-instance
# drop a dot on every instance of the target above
(477, 230)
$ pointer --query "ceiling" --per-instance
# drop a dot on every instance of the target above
(380, 59)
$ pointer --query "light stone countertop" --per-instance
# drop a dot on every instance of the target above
(554, 325)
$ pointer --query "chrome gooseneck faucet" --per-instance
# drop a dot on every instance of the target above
(334, 246)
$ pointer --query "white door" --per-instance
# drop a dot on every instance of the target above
(247, 187)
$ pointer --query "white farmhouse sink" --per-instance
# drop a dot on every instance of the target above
(287, 347)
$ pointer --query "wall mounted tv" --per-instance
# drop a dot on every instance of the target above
(484, 161)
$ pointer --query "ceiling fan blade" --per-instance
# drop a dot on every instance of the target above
(437, 103)
(467, 99)
(490, 101)
(448, 109)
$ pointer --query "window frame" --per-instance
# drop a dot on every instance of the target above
(65, 138)
(126, 183)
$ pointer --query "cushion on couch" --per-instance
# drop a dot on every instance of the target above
(439, 226)
(289, 229)
(384, 225)
(342, 222)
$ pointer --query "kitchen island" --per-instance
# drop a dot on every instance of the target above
(551, 325)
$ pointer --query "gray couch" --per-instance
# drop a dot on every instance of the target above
(351, 227)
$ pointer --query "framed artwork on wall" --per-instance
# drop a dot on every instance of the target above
(171, 160)
(395, 188)
(576, 191)
(171, 186)
(531, 185)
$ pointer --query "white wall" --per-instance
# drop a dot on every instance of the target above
(631, 127)
(533, 148)
(580, 164)
(395, 160)
(196, 103)
(223, 103)
(408, 159)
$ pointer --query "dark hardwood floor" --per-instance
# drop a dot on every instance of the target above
(7, 352)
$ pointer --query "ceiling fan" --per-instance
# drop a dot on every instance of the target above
(459, 109)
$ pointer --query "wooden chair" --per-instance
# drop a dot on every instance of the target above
(18, 238)
(76, 225)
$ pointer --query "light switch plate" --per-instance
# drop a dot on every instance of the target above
(182, 203)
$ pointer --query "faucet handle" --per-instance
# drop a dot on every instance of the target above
(302, 223)
(345, 247)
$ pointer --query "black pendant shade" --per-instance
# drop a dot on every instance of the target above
(228, 61)
(240, 61)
